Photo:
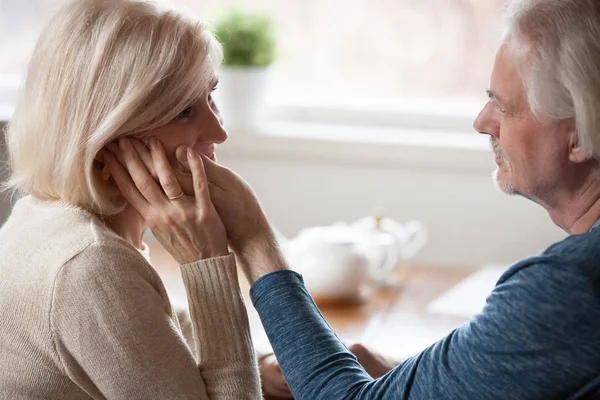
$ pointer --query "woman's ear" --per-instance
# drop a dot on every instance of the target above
(99, 161)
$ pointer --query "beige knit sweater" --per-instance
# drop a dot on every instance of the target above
(84, 315)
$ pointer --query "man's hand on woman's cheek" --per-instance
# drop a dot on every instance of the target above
(248, 230)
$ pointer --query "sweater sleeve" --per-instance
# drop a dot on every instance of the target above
(220, 327)
(533, 340)
(113, 331)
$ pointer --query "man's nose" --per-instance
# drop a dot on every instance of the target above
(484, 123)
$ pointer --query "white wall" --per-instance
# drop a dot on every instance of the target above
(470, 223)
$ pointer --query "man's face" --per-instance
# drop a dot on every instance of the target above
(531, 157)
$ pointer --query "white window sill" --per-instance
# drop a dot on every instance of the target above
(459, 151)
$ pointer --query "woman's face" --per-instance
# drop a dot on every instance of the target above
(199, 126)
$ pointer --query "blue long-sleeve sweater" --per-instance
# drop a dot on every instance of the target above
(538, 337)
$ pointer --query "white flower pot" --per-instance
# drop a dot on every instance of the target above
(241, 98)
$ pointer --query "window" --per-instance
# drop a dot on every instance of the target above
(378, 49)
(357, 51)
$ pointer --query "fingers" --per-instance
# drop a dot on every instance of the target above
(201, 190)
(140, 175)
(125, 184)
(142, 151)
(183, 166)
(165, 173)
(146, 157)
(214, 171)
(116, 152)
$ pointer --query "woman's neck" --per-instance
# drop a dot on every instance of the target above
(128, 224)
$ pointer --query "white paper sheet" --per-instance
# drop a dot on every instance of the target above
(467, 298)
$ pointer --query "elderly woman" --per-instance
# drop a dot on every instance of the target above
(83, 314)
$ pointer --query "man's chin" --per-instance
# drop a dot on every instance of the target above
(503, 183)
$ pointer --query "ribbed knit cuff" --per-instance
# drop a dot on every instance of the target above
(217, 309)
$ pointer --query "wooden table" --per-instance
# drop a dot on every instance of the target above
(393, 321)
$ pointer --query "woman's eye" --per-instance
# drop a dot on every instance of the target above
(184, 114)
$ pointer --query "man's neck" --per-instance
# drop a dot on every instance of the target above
(578, 211)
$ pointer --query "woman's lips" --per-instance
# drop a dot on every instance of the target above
(209, 153)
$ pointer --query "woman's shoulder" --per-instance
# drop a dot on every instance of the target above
(105, 260)
(54, 237)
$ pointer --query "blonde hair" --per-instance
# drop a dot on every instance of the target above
(102, 69)
(560, 42)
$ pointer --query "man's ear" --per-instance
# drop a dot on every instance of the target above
(576, 153)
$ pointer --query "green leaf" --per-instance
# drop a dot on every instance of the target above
(248, 39)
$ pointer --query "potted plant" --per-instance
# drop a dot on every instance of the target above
(248, 42)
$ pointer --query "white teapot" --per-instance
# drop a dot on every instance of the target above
(340, 261)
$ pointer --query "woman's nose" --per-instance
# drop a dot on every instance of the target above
(217, 134)
(214, 131)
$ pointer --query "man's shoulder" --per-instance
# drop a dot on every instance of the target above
(574, 255)
(577, 247)
(580, 251)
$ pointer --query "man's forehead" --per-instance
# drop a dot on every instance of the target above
(505, 82)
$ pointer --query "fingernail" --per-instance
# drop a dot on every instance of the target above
(190, 153)
(181, 154)
(152, 142)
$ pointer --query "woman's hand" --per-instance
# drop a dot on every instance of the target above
(276, 388)
(375, 364)
(181, 168)
(273, 383)
(188, 227)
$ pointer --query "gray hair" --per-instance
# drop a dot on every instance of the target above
(561, 74)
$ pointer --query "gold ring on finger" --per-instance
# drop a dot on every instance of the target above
(176, 197)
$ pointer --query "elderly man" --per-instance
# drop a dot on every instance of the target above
(538, 337)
